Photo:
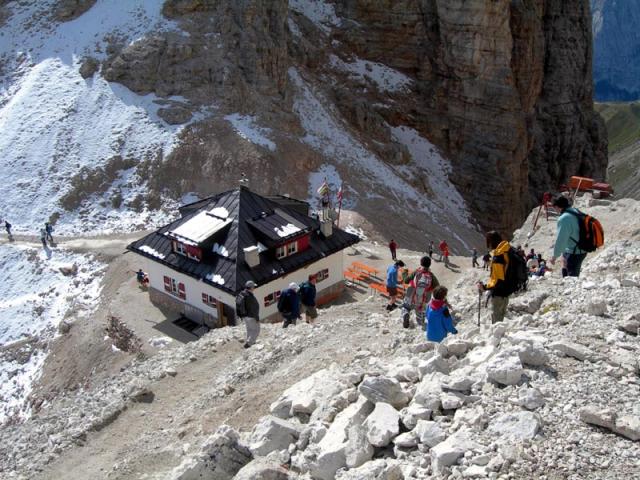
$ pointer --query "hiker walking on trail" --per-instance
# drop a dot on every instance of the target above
(445, 253)
(421, 284)
(289, 305)
(308, 299)
(248, 309)
(392, 284)
(43, 237)
(49, 230)
(439, 319)
(567, 238)
(393, 246)
(474, 258)
(486, 259)
(442, 246)
(7, 227)
(499, 291)
(431, 248)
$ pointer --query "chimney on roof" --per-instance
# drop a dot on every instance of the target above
(326, 228)
(244, 181)
(252, 256)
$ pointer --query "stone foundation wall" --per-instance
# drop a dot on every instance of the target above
(164, 300)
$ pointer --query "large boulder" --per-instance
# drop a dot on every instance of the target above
(382, 425)
(384, 389)
(446, 453)
(437, 363)
(272, 433)
(505, 368)
(263, 469)
(305, 396)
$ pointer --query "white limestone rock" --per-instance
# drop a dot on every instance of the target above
(446, 453)
(332, 449)
(272, 433)
(529, 303)
(505, 368)
(516, 426)
(428, 392)
(414, 412)
(382, 425)
(437, 363)
(305, 396)
(596, 307)
(457, 347)
(379, 469)
(570, 349)
(358, 449)
(451, 400)
(384, 389)
(471, 416)
(406, 440)
(263, 469)
(628, 426)
(429, 433)
(603, 417)
(405, 373)
(530, 398)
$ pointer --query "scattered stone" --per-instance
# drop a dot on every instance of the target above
(530, 398)
(446, 453)
(384, 389)
(570, 349)
(272, 433)
(263, 469)
(406, 440)
(437, 363)
(414, 412)
(516, 426)
(429, 433)
(382, 425)
(505, 368)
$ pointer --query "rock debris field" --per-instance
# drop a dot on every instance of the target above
(551, 393)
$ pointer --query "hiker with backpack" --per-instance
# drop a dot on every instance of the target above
(421, 284)
(486, 259)
(43, 237)
(438, 316)
(392, 284)
(49, 230)
(508, 274)
(289, 305)
(248, 309)
(7, 227)
(308, 299)
(474, 258)
(393, 246)
(577, 234)
(442, 246)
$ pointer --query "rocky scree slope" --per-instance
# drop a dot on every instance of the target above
(400, 102)
(550, 393)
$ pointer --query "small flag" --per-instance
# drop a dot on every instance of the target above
(324, 189)
(339, 194)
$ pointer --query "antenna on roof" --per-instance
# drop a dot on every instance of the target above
(244, 181)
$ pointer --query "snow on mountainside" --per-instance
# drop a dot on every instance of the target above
(55, 123)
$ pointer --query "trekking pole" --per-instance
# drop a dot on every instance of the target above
(479, 306)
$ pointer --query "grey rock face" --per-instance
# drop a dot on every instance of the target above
(384, 389)
(382, 425)
(272, 433)
(516, 426)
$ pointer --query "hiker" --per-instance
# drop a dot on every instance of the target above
(567, 236)
(542, 269)
(248, 309)
(531, 254)
(392, 284)
(393, 246)
(7, 227)
(289, 305)
(486, 259)
(442, 246)
(43, 237)
(533, 264)
(431, 248)
(496, 285)
(142, 278)
(49, 230)
(308, 299)
(421, 284)
(445, 253)
(521, 251)
(474, 258)
(439, 319)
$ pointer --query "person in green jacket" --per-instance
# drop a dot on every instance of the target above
(567, 236)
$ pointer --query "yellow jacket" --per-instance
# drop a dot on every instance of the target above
(499, 263)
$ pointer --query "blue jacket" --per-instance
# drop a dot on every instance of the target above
(568, 233)
(438, 324)
(308, 294)
(392, 276)
(289, 304)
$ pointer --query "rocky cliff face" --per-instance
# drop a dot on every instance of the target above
(435, 114)
(616, 65)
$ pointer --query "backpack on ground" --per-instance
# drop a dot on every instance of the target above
(517, 274)
(591, 231)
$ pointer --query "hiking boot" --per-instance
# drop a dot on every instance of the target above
(246, 345)
(393, 307)
(405, 320)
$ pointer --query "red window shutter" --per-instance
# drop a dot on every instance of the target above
(205, 298)
(181, 293)
(167, 284)
(303, 243)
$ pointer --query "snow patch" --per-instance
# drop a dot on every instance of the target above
(246, 127)
(152, 251)
(286, 230)
(321, 13)
(215, 278)
(220, 250)
(385, 78)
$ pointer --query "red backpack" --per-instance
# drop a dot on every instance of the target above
(591, 231)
